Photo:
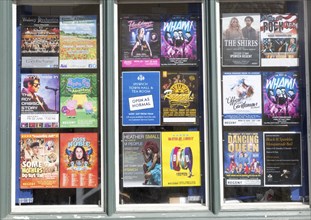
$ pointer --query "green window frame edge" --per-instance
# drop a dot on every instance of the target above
(109, 170)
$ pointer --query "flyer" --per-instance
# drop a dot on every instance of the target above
(140, 42)
(181, 161)
(179, 41)
(240, 39)
(39, 101)
(39, 161)
(78, 160)
(78, 100)
(243, 159)
(40, 41)
(179, 97)
(241, 98)
(78, 44)
(141, 98)
(281, 96)
(279, 40)
(142, 159)
(282, 156)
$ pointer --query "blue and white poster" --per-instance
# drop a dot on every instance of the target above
(140, 98)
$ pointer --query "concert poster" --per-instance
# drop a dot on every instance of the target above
(39, 101)
(79, 160)
(39, 161)
(283, 164)
(179, 97)
(140, 42)
(78, 100)
(240, 39)
(78, 44)
(243, 159)
(179, 41)
(281, 97)
(241, 98)
(142, 159)
(279, 40)
(40, 42)
(181, 161)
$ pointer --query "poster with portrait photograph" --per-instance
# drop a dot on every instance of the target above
(179, 41)
(78, 100)
(78, 44)
(241, 98)
(243, 159)
(140, 41)
(281, 97)
(142, 159)
(181, 160)
(282, 156)
(279, 40)
(78, 160)
(179, 97)
(39, 161)
(40, 41)
(240, 39)
(39, 101)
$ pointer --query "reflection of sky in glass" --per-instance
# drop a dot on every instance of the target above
(85, 25)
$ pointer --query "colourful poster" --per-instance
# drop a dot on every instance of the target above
(179, 97)
(39, 161)
(279, 40)
(281, 96)
(240, 39)
(39, 101)
(78, 160)
(179, 41)
(243, 159)
(40, 42)
(283, 164)
(78, 100)
(142, 159)
(140, 42)
(78, 44)
(181, 161)
(241, 98)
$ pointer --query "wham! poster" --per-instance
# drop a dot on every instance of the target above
(140, 42)
(243, 159)
(78, 160)
(279, 39)
(241, 98)
(142, 159)
(39, 161)
(39, 101)
(240, 39)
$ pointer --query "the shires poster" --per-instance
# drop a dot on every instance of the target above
(78, 160)
(39, 161)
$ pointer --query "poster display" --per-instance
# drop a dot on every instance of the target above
(39, 161)
(179, 41)
(181, 164)
(179, 97)
(39, 101)
(78, 44)
(282, 156)
(140, 98)
(240, 39)
(279, 39)
(140, 42)
(142, 159)
(78, 160)
(39, 41)
(242, 98)
(243, 159)
(78, 100)
(281, 96)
